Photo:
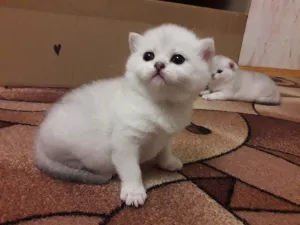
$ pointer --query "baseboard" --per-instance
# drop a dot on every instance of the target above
(273, 71)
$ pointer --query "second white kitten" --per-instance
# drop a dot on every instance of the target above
(112, 126)
(230, 83)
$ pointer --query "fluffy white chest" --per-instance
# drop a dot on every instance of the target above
(153, 146)
(152, 125)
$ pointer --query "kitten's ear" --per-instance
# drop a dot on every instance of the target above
(134, 39)
(207, 49)
(232, 65)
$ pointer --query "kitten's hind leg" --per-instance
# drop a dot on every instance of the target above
(216, 96)
(60, 171)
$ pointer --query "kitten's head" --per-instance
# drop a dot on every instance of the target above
(170, 62)
(224, 67)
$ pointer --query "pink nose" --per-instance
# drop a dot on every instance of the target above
(159, 66)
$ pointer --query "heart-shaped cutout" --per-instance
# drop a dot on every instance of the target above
(57, 48)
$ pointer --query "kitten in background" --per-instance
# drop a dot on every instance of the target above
(230, 83)
(111, 126)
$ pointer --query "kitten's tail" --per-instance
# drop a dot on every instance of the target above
(268, 101)
(60, 171)
(274, 99)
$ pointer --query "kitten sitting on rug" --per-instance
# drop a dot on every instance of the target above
(230, 83)
(114, 125)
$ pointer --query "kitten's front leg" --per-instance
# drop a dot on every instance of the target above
(216, 96)
(126, 160)
(166, 160)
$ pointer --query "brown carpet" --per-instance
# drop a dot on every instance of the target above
(246, 170)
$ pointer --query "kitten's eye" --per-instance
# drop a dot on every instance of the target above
(177, 59)
(148, 56)
(219, 71)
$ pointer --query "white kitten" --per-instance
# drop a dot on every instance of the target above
(230, 83)
(112, 126)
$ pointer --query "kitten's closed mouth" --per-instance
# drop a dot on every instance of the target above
(160, 76)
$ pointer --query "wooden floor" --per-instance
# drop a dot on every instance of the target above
(273, 71)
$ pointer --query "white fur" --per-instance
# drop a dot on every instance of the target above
(112, 126)
(235, 84)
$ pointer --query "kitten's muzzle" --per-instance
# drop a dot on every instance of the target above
(159, 66)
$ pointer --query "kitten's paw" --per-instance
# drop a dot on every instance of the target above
(133, 195)
(218, 76)
(207, 97)
(171, 164)
(215, 96)
(206, 92)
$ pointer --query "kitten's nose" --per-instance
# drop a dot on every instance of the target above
(159, 66)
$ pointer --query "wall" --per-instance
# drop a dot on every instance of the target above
(272, 35)
(241, 6)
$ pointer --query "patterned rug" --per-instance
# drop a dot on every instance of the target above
(244, 171)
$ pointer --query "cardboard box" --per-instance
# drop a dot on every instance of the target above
(64, 43)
